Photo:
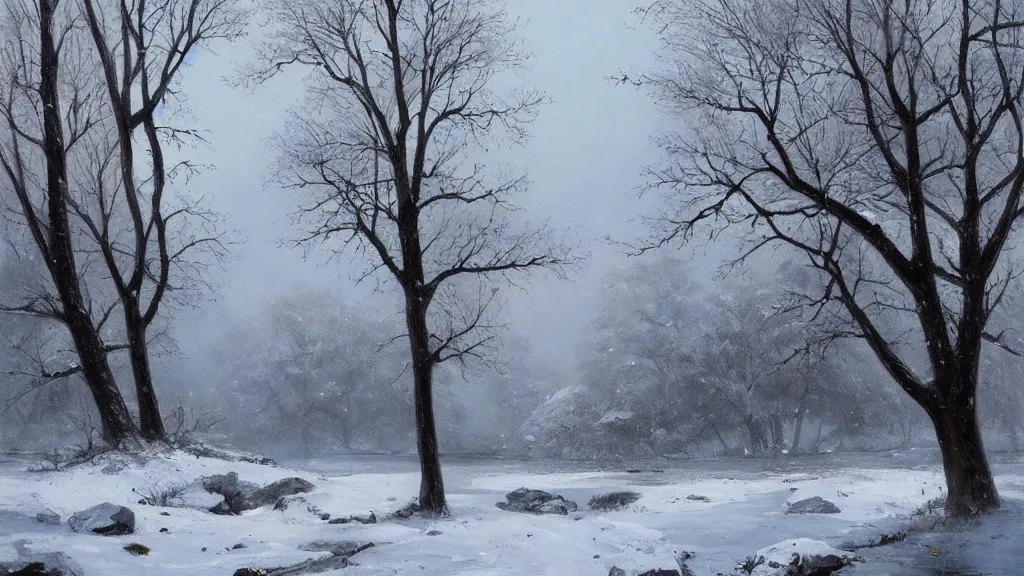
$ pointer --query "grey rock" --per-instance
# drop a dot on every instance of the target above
(105, 519)
(822, 565)
(536, 502)
(273, 492)
(408, 511)
(616, 571)
(48, 517)
(661, 572)
(239, 495)
(698, 498)
(814, 505)
(370, 518)
(613, 500)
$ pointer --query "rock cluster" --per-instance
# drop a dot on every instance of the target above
(536, 502)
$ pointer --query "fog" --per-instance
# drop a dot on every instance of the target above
(585, 158)
(269, 340)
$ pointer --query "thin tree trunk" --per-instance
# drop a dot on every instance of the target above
(114, 416)
(432, 499)
(778, 434)
(817, 437)
(725, 447)
(799, 426)
(150, 422)
(971, 490)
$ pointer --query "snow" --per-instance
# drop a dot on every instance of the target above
(782, 554)
(745, 515)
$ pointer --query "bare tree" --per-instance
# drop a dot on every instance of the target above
(43, 64)
(402, 94)
(883, 141)
(141, 48)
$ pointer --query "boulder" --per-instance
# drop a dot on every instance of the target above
(239, 495)
(660, 572)
(105, 519)
(698, 498)
(536, 502)
(815, 505)
(48, 517)
(800, 557)
(273, 492)
(613, 500)
(616, 571)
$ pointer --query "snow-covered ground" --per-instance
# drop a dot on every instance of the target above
(745, 512)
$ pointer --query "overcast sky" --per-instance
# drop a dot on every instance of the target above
(585, 160)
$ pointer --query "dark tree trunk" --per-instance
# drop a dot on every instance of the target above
(798, 427)
(778, 434)
(758, 436)
(150, 422)
(817, 437)
(114, 416)
(970, 487)
(432, 499)
(725, 446)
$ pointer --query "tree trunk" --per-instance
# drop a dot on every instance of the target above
(817, 438)
(115, 419)
(798, 427)
(971, 489)
(114, 416)
(150, 422)
(725, 446)
(778, 434)
(432, 499)
(758, 436)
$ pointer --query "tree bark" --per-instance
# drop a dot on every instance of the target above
(798, 427)
(432, 499)
(150, 422)
(971, 488)
(114, 416)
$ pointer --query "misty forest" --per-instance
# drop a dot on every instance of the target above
(466, 287)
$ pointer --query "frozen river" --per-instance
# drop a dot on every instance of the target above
(744, 512)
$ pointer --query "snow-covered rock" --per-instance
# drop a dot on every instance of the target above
(106, 519)
(239, 495)
(814, 505)
(536, 502)
(800, 557)
(196, 497)
(48, 517)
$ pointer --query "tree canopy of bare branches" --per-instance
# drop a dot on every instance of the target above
(47, 106)
(882, 140)
(141, 47)
(114, 65)
(404, 97)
